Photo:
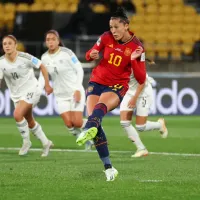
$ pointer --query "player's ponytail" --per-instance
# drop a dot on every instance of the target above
(121, 14)
(57, 35)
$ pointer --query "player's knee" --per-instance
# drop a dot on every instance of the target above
(31, 123)
(140, 128)
(68, 124)
(78, 123)
(125, 123)
(17, 115)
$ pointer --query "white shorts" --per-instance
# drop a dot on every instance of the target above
(143, 105)
(32, 96)
(66, 105)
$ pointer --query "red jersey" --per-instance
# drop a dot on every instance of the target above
(116, 64)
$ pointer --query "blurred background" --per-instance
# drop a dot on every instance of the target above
(169, 30)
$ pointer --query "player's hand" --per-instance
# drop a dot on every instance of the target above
(77, 96)
(132, 102)
(137, 53)
(94, 54)
(48, 89)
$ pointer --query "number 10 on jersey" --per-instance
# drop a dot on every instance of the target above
(115, 59)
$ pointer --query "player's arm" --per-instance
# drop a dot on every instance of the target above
(38, 64)
(41, 77)
(138, 65)
(80, 73)
(45, 74)
(93, 53)
(139, 70)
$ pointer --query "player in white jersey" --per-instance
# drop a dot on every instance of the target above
(67, 75)
(17, 70)
(141, 103)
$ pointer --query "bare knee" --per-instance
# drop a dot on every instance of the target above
(78, 123)
(31, 123)
(18, 115)
(68, 123)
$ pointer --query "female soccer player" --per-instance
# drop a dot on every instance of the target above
(17, 70)
(67, 76)
(141, 103)
(122, 52)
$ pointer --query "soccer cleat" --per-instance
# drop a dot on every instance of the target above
(163, 129)
(88, 145)
(139, 153)
(111, 174)
(25, 147)
(86, 135)
(46, 148)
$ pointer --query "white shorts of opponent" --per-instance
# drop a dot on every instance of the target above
(66, 105)
(32, 96)
(143, 103)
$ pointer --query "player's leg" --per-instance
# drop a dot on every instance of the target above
(107, 101)
(77, 118)
(34, 126)
(21, 108)
(126, 118)
(37, 131)
(64, 109)
(100, 140)
(143, 106)
(97, 107)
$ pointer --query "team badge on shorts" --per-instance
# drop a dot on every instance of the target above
(127, 51)
(90, 88)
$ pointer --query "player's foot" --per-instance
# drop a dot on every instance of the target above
(46, 148)
(140, 153)
(25, 148)
(88, 145)
(111, 174)
(163, 130)
(86, 135)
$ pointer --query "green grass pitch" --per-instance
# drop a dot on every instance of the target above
(78, 175)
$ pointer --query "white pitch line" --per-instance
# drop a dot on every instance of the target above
(151, 181)
(113, 151)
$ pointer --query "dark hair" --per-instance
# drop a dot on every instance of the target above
(57, 35)
(11, 37)
(121, 14)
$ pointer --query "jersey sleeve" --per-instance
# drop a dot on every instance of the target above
(35, 62)
(139, 68)
(41, 77)
(99, 46)
(75, 63)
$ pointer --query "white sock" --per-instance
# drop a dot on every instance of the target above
(74, 131)
(24, 130)
(77, 131)
(71, 130)
(132, 134)
(84, 123)
(152, 126)
(38, 132)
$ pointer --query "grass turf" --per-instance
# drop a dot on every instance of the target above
(78, 175)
